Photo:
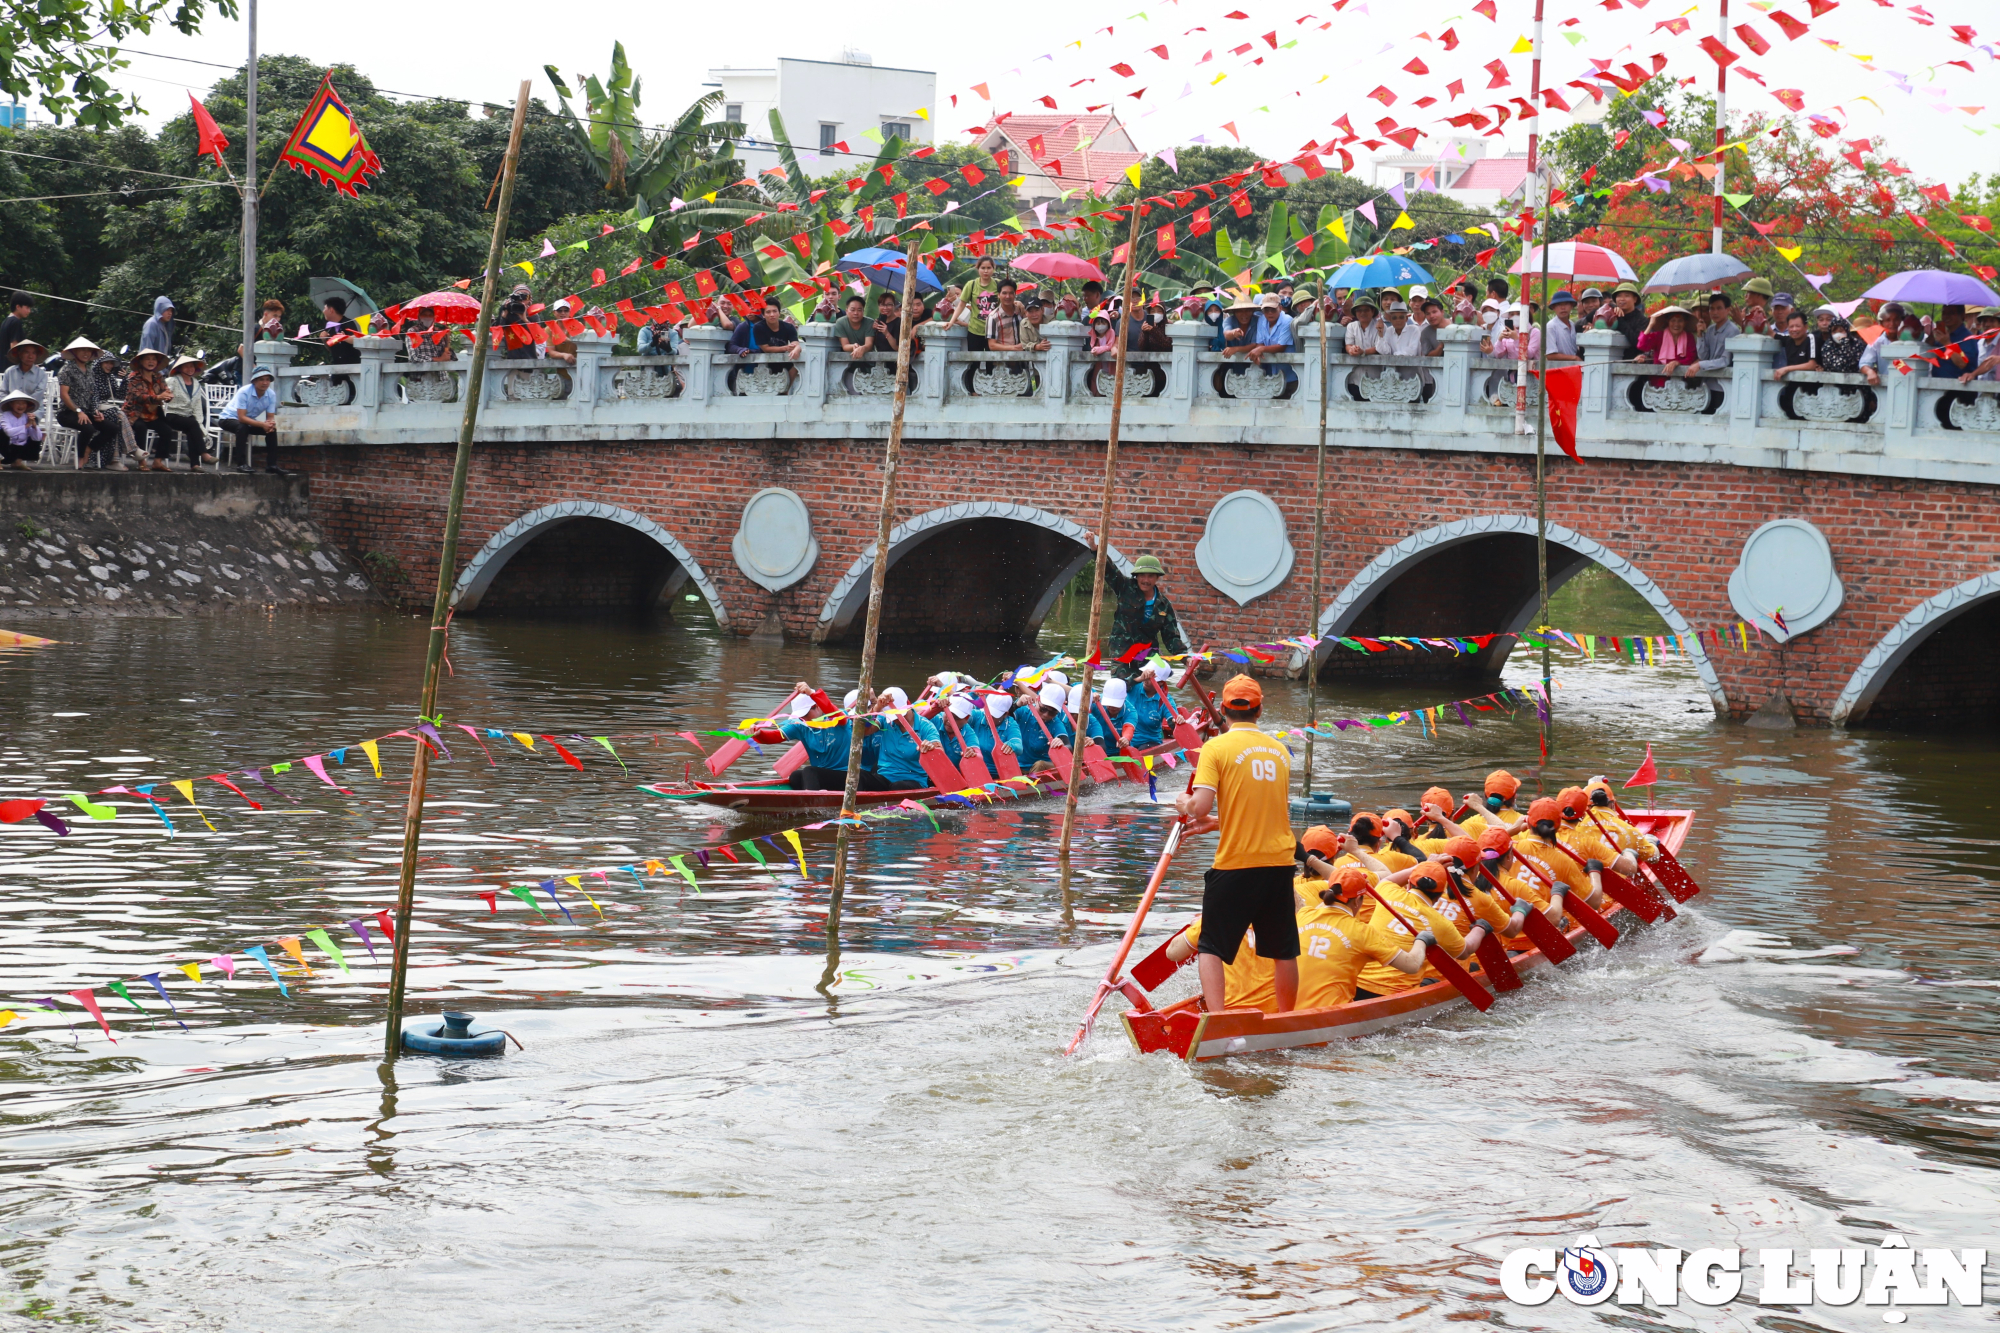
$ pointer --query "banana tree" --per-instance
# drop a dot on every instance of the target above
(680, 175)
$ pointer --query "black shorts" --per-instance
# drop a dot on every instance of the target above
(975, 342)
(1232, 901)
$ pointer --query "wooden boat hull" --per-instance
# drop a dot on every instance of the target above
(764, 796)
(1194, 1036)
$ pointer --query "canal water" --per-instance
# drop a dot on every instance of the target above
(694, 1138)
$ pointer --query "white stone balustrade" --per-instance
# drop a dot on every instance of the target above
(1911, 425)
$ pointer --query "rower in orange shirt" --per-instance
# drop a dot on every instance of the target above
(1621, 830)
(1418, 898)
(1536, 845)
(1497, 806)
(1336, 944)
(1369, 830)
(1585, 839)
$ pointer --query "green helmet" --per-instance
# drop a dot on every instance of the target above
(1148, 564)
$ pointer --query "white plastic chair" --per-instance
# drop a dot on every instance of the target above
(58, 440)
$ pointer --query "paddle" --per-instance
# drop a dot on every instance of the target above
(1638, 899)
(1543, 933)
(944, 774)
(1492, 954)
(732, 749)
(792, 760)
(1587, 916)
(1110, 982)
(1059, 754)
(1004, 760)
(1445, 965)
(1137, 767)
(1182, 730)
(1681, 891)
(969, 761)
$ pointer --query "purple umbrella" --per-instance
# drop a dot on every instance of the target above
(1933, 286)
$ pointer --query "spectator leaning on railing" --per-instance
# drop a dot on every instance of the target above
(1711, 349)
(1561, 334)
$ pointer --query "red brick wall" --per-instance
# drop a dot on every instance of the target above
(1895, 543)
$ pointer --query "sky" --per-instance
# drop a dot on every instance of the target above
(1903, 91)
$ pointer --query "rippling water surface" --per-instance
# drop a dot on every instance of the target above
(694, 1137)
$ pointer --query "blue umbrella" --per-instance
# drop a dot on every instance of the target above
(1694, 273)
(884, 268)
(1378, 271)
(1933, 286)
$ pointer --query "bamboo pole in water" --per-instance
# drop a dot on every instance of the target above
(1547, 711)
(1319, 538)
(1124, 327)
(420, 767)
(877, 578)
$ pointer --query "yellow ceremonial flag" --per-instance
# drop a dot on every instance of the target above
(1791, 253)
(374, 753)
(1522, 46)
(193, 971)
(527, 264)
(361, 322)
(923, 113)
(1338, 228)
(1132, 174)
(6, 1016)
(525, 739)
(799, 848)
(1402, 220)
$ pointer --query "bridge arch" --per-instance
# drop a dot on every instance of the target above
(1063, 549)
(1919, 635)
(475, 581)
(1395, 562)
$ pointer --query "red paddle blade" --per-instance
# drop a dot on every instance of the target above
(726, 754)
(1673, 877)
(792, 761)
(1498, 967)
(1588, 917)
(1060, 756)
(1187, 737)
(944, 774)
(1156, 967)
(1545, 935)
(1642, 902)
(973, 766)
(1006, 764)
(1448, 968)
(1095, 761)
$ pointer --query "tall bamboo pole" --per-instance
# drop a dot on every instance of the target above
(877, 579)
(420, 767)
(1124, 327)
(1547, 711)
(1319, 536)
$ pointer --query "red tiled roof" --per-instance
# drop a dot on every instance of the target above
(1504, 174)
(1060, 136)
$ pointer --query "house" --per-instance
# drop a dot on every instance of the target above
(823, 103)
(1055, 153)
(1460, 170)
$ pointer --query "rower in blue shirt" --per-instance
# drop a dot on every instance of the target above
(1116, 705)
(1045, 711)
(825, 768)
(963, 712)
(1095, 730)
(897, 767)
(994, 727)
(1152, 716)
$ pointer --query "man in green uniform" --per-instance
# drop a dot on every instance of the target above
(1144, 614)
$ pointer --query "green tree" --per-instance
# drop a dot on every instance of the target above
(61, 51)
(420, 224)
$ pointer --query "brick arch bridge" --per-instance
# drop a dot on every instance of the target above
(1418, 541)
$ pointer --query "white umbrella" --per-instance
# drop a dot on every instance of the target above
(1577, 259)
(1695, 273)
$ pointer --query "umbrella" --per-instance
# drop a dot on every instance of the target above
(1694, 273)
(1378, 271)
(1057, 264)
(1575, 259)
(451, 307)
(358, 302)
(884, 268)
(1934, 286)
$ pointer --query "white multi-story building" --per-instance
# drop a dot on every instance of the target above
(1460, 170)
(824, 103)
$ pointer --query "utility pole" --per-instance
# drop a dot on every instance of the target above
(250, 193)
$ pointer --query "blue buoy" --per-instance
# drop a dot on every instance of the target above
(1322, 808)
(454, 1038)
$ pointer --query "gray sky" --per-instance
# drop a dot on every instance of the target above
(1277, 107)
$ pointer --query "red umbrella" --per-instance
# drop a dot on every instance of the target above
(451, 307)
(1057, 264)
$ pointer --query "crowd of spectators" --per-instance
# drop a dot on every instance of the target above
(159, 411)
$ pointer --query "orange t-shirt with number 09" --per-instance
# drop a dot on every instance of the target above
(1251, 776)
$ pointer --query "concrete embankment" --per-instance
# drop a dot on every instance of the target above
(165, 544)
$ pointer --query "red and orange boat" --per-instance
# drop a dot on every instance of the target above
(1194, 1036)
